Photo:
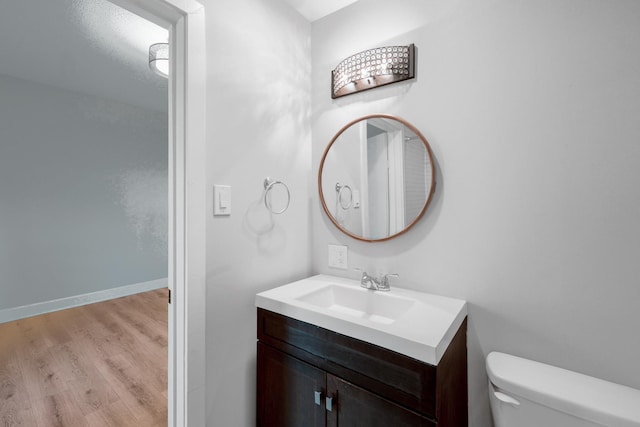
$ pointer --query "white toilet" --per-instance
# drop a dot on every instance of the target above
(524, 393)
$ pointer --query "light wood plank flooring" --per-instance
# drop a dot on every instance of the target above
(102, 364)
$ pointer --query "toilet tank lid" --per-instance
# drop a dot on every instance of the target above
(576, 394)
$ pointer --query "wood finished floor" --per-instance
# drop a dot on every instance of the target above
(103, 364)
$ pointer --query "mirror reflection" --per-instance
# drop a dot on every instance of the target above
(376, 177)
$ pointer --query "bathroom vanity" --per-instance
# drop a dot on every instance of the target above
(320, 363)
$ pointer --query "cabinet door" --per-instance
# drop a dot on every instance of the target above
(286, 391)
(353, 406)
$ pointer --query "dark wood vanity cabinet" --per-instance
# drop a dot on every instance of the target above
(286, 389)
(312, 377)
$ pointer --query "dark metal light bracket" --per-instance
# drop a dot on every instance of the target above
(373, 68)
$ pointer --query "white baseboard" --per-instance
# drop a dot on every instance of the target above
(15, 313)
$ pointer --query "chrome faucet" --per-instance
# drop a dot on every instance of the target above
(376, 284)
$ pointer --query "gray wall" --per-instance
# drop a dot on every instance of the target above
(531, 108)
(83, 193)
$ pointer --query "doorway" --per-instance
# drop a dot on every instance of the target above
(84, 189)
(187, 202)
(187, 195)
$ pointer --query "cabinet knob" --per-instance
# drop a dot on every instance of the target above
(317, 397)
(329, 403)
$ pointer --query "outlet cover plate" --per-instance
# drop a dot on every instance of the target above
(338, 256)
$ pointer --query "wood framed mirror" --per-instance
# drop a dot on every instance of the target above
(376, 177)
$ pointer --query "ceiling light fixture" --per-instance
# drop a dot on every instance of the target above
(159, 58)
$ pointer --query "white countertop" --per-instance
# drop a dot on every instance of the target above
(422, 327)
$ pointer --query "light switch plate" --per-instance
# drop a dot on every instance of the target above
(221, 200)
(356, 199)
(338, 256)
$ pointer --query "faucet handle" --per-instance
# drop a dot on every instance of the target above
(384, 281)
(366, 281)
(364, 273)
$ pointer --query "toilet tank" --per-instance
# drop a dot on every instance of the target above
(524, 393)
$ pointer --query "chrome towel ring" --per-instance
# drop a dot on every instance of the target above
(268, 186)
(340, 189)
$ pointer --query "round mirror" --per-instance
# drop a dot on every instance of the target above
(376, 177)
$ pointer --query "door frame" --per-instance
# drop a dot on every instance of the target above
(185, 20)
(395, 176)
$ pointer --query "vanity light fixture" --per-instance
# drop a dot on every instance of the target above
(372, 68)
(159, 58)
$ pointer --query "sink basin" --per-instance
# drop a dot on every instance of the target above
(416, 324)
(359, 302)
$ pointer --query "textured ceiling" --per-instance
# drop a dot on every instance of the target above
(89, 46)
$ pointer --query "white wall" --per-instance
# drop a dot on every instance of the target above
(83, 193)
(258, 112)
(531, 108)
